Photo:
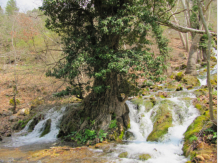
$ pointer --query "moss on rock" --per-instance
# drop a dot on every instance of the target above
(144, 157)
(179, 76)
(191, 80)
(123, 155)
(148, 105)
(47, 128)
(162, 121)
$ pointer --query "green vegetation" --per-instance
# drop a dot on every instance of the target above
(101, 135)
(113, 124)
(193, 138)
(11, 102)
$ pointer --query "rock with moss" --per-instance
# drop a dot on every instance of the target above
(179, 76)
(148, 105)
(162, 121)
(179, 88)
(46, 128)
(193, 129)
(144, 157)
(123, 155)
(213, 59)
(213, 80)
(200, 92)
(35, 121)
(129, 135)
(191, 80)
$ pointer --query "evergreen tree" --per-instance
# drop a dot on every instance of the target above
(95, 34)
(11, 7)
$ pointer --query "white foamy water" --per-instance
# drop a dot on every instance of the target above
(203, 79)
(169, 150)
(34, 137)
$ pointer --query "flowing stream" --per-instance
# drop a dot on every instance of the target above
(167, 150)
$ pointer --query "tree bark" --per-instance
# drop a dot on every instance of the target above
(208, 60)
(192, 58)
(101, 106)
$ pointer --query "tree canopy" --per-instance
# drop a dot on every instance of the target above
(11, 7)
(95, 34)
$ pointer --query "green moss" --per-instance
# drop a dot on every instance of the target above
(137, 101)
(172, 76)
(148, 105)
(47, 128)
(162, 121)
(144, 157)
(212, 58)
(199, 107)
(179, 76)
(194, 129)
(191, 80)
(128, 126)
(123, 155)
(213, 80)
(11, 102)
(200, 92)
(121, 135)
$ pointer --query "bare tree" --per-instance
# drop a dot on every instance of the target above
(208, 60)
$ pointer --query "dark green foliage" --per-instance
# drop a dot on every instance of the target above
(95, 35)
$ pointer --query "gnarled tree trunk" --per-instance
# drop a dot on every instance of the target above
(101, 106)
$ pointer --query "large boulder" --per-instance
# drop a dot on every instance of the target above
(191, 80)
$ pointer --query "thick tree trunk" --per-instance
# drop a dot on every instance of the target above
(192, 59)
(102, 106)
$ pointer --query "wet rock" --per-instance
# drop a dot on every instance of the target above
(123, 155)
(144, 157)
(129, 135)
(35, 122)
(47, 127)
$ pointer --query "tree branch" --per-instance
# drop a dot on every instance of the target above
(183, 29)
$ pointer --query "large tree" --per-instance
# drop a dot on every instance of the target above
(95, 34)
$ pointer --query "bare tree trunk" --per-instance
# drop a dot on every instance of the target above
(208, 60)
(187, 23)
(192, 58)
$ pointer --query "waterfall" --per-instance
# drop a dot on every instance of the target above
(25, 138)
(170, 148)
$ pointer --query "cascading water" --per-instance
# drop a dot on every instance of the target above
(169, 150)
(203, 78)
(24, 137)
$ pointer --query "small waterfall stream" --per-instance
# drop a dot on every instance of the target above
(25, 138)
(169, 150)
